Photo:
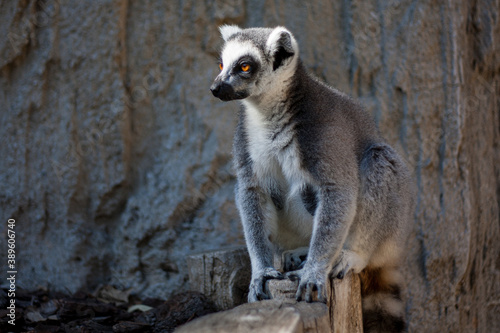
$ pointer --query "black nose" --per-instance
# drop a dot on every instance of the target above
(215, 89)
(222, 90)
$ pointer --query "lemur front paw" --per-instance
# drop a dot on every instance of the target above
(310, 280)
(348, 260)
(256, 290)
(295, 259)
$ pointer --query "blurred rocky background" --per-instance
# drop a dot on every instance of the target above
(115, 159)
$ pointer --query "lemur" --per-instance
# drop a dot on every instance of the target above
(313, 172)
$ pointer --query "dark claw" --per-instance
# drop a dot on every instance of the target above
(298, 295)
(259, 289)
(309, 291)
(262, 296)
(258, 284)
(321, 294)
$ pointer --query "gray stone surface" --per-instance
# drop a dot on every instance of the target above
(115, 158)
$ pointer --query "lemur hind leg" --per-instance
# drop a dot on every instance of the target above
(376, 236)
(348, 260)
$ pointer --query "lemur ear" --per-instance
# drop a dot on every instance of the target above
(281, 45)
(228, 30)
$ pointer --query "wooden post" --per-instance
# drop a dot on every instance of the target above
(345, 305)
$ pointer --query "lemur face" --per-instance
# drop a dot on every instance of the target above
(242, 65)
(251, 60)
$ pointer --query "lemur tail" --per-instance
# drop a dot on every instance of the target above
(383, 309)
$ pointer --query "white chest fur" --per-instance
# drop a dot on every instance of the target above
(276, 159)
(274, 151)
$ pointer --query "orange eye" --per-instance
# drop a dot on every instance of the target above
(221, 66)
(245, 67)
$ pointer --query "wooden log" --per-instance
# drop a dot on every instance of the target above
(282, 289)
(283, 316)
(222, 275)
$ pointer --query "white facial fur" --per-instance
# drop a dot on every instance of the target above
(233, 51)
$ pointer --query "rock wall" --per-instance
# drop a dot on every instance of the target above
(115, 158)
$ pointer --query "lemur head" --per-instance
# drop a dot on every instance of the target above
(254, 62)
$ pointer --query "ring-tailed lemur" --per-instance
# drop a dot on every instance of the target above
(312, 170)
